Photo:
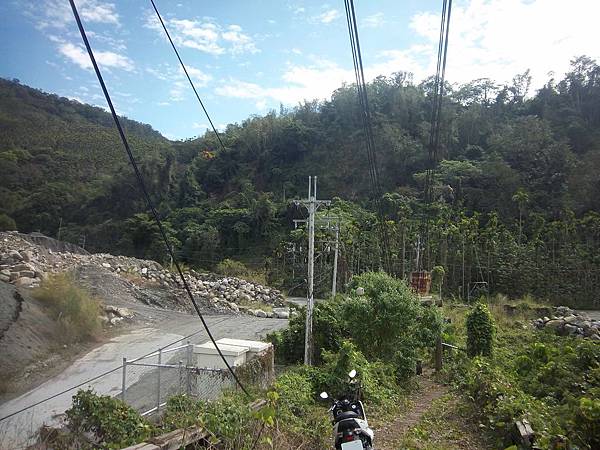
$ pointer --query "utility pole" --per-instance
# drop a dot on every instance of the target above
(335, 260)
(312, 204)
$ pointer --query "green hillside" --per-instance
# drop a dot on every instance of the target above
(517, 189)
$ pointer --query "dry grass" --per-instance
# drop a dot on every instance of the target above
(72, 307)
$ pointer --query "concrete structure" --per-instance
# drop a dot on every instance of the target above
(207, 356)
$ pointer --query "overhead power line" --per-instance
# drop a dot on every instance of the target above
(436, 119)
(363, 100)
(145, 192)
(187, 74)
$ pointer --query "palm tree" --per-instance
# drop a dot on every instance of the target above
(521, 198)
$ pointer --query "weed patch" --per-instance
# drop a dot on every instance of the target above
(73, 307)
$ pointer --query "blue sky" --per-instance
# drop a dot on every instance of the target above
(250, 56)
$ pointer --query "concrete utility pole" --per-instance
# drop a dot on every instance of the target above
(312, 204)
(335, 260)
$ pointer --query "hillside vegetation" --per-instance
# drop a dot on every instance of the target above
(517, 188)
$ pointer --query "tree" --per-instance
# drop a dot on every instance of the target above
(521, 198)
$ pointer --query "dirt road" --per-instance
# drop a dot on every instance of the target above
(161, 328)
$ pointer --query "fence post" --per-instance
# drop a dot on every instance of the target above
(158, 381)
(124, 379)
(188, 377)
(438, 354)
(180, 366)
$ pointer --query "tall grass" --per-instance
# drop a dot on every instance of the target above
(76, 312)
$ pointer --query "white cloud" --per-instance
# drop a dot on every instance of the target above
(488, 38)
(374, 20)
(58, 14)
(79, 56)
(199, 78)
(241, 43)
(206, 35)
(327, 17)
(299, 83)
(261, 105)
(501, 38)
(200, 126)
(179, 85)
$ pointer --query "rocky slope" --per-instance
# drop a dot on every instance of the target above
(25, 260)
(566, 322)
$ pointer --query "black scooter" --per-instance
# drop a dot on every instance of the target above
(350, 427)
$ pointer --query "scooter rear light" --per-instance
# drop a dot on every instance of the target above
(349, 437)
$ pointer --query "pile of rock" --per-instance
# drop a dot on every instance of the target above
(114, 315)
(16, 267)
(566, 322)
(25, 263)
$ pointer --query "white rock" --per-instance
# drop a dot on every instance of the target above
(25, 282)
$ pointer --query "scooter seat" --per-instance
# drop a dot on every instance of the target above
(346, 415)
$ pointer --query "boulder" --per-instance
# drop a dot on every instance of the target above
(360, 291)
(570, 329)
(27, 273)
(260, 313)
(106, 265)
(555, 324)
(15, 255)
(21, 267)
(124, 313)
(24, 282)
(282, 314)
(571, 318)
(116, 320)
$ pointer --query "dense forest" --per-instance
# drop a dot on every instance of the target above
(517, 195)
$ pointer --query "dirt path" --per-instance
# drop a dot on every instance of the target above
(392, 433)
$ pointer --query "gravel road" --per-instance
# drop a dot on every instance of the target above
(161, 328)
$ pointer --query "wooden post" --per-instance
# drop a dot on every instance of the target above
(438, 354)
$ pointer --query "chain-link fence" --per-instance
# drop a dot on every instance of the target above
(148, 382)
(145, 383)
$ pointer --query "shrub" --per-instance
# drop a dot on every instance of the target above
(115, 424)
(328, 332)
(231, 268)
(181, 412)
(387, 323)
(480, 331)
(296, 393)
(73, 307)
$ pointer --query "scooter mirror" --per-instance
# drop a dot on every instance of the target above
(352, 373)
(324, 395)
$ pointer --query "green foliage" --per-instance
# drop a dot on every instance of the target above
(7, 223)
(437, 278)
(480, 331)
(515, 193)
(552, 381)
(387, 323)
(115, 424)
(231, 268)
(181, 411)
(72, 306)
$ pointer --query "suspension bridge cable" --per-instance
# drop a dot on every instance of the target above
(187, 74)
(361, 88)
(149, 202)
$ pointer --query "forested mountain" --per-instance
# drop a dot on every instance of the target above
(517, 187)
